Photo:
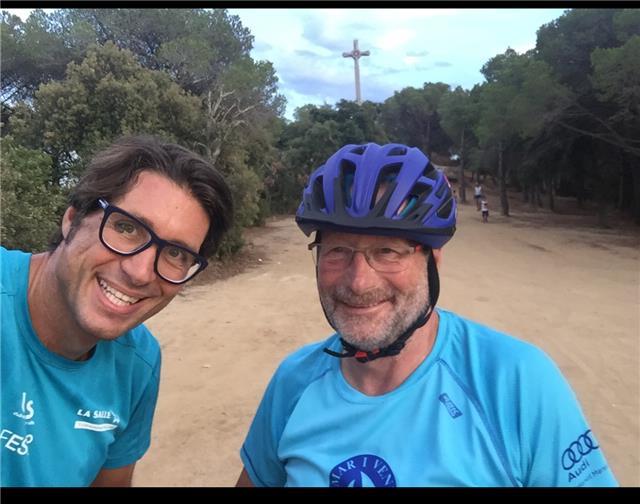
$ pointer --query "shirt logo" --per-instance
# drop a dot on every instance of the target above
(452, 409)
(578, 449)
(362, 471)
(26, 410)
(103, 420)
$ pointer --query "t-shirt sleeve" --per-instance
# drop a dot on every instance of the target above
(558, 446)
(134, 441)
(259, 453)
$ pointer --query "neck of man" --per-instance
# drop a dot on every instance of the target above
(47, 310)
(383, 375)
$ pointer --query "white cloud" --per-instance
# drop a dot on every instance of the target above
(394, 39)
(410, 60)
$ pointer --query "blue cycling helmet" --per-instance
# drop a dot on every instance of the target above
(391, 190)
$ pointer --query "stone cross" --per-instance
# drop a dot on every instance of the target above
(356, 54)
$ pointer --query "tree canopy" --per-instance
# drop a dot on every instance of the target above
(560, 119)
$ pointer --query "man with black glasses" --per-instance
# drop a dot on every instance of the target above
(404, 394)
(80, 372)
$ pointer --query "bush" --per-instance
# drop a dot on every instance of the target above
(31, 204)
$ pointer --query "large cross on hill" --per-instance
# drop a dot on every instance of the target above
(356, 54)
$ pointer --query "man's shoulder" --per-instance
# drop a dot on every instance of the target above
(12, 256)
(142, 343)
(13, 264)
(312, 358)
(486, 341)
(477, 348)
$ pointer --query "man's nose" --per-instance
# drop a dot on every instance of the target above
(139, 268)
(360, 276)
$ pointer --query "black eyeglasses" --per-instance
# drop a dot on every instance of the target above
(124, 234)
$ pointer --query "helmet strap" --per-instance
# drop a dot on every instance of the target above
(396, 347)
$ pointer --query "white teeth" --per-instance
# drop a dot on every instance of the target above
(115, 296)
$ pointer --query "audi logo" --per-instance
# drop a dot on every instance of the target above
(578, 449)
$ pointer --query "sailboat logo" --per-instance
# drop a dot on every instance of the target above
(362, 471)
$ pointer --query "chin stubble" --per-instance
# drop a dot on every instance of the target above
(364, 332)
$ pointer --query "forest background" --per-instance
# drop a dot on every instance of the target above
(560, 120)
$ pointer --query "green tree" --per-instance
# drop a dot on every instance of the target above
(576, 47)
(359, 123)
(31, 204)
(184, 74)
(520, 102)
(497, 125)
(566, 43)
(410, 116)
(458, 114)
(616, 79)
(32, 54)
(105, 96)
(195, 46)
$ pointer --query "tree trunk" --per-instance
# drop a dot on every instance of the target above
(533, 201)
(602, 208)
(550, 199)
(620, 204)
(463, 183)
(504, 202)
(635, 203)
(539, 196)
(600, 191)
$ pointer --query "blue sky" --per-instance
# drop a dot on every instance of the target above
(408, 47)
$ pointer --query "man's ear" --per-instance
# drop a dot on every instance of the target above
(67, 220)
(437, 255)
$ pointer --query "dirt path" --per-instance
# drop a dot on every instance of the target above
(573, 291)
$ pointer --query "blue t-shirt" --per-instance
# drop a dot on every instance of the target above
(483, 409)
(63, 420)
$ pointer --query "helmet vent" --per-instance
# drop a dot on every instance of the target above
(419, 193)
(445, 210)
(318, 194)
(443, 187)
(430, 171)
(347, 174)
(359, 149)
(397, 151)
(389, 173)
(386, 177)
(422, 191)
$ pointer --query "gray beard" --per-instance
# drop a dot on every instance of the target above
(366, 334)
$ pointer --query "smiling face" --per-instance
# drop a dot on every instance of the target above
(368, 308)
(106, 294)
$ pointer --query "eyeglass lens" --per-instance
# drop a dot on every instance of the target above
(126, 235)
(383, 259)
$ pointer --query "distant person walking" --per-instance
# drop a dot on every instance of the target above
(484, 206)
(477, 194)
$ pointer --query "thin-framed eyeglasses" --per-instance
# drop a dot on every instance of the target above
(126, 235)
(382, 258)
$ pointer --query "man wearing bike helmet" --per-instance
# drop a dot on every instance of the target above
(405, 394)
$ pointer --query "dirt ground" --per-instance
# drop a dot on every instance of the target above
(557, 281)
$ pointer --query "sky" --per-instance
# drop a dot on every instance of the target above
(408, 47)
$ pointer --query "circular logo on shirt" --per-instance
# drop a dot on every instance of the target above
(362, 471)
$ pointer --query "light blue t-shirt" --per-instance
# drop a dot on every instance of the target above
(483, 409)
(63, 420)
